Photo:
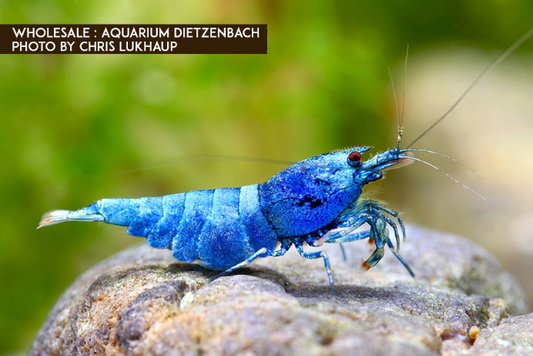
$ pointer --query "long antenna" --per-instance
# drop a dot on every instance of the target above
(400, 116)
(400, 120)
(400, 134)
(173, 161)
(490, 67)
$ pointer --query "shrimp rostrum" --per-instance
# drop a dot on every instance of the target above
(315, 201)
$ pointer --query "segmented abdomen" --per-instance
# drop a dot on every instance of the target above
(218, 228)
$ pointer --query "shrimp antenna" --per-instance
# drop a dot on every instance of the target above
(400, 120)
(400, 116)
(400, 133)
(447, 175)
(442, 155)
(167, 162)
(490, 67)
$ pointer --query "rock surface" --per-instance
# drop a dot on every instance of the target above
(143, 302)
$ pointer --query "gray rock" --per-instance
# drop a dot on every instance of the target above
(514, 336)
(143, 302)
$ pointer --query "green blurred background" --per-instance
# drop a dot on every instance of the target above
(76, 128)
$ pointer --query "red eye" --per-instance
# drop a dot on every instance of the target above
(354, 156)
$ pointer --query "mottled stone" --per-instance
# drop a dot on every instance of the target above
(514, 336)
(143, 302)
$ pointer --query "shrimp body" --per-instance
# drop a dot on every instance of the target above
(315, 201)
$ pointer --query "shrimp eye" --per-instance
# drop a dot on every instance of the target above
(354, 158)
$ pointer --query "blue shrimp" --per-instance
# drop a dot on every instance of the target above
(312, 202)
